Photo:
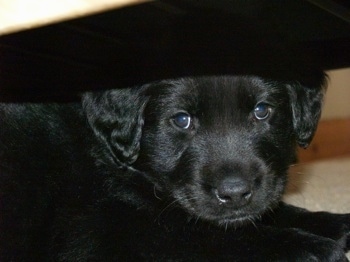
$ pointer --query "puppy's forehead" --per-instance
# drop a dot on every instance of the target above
(239, 92)
(219, 94)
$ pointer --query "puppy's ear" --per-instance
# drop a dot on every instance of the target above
(306, 102)
(116, 117)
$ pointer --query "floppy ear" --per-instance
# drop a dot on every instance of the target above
(116, 118)
(306, 103)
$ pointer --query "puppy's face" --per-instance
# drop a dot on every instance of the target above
(218, 147)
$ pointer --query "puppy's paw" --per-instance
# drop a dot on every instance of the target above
(336, 227)
(323, 250)
(325, 224)
(308, 247)
(345, 240)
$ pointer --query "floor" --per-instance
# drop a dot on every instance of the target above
(321, 185)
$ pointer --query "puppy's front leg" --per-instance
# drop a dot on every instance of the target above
(333, 226)
(136, 236)
(287, 244)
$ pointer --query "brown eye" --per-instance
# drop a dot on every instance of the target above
(262, 111)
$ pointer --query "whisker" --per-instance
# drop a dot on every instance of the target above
(168, 206)
(172, 204)
(155, 192)
(251, 220)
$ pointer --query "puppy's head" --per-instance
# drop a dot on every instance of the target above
(219, 147)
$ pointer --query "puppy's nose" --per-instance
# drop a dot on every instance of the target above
(234, 191)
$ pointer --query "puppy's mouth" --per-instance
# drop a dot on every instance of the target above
(236, 217)
(238, 221)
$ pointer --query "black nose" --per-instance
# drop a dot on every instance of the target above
(234, 191)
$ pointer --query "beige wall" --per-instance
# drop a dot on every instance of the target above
(337, 102)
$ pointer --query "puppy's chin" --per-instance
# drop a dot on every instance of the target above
(237, 219)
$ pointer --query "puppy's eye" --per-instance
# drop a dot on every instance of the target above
(182, 120)
(262, 111)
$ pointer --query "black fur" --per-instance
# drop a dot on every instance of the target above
(116, 178)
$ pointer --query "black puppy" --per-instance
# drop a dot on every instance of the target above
(182, 170)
